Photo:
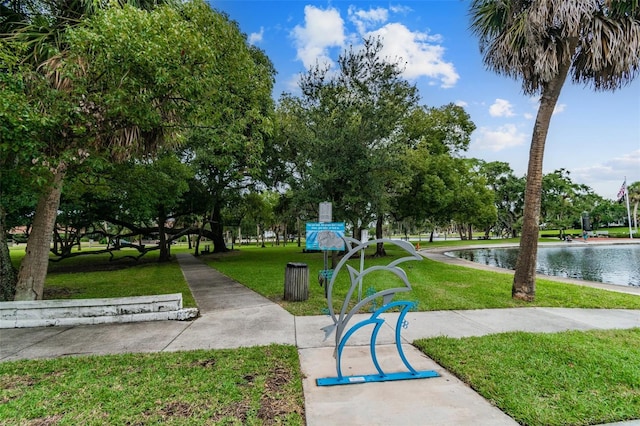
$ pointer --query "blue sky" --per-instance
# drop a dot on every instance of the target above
(594, 135)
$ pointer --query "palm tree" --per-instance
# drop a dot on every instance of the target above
(633, 192)
(596, 42)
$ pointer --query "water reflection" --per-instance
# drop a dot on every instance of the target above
(616, 264)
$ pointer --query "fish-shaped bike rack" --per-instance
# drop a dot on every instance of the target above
(341, 320)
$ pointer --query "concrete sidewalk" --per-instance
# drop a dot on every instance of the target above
(233, 316)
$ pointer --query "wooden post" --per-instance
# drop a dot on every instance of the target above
(296, 282)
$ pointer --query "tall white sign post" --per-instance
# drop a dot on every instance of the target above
(325, 212)
(325, 216)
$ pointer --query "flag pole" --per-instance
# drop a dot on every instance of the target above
(626, 196)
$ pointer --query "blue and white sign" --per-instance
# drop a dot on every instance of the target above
(325, 236)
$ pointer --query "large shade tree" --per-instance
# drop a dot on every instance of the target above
(20, 121)
(148, 197)
(564, 202)
(35, 32)
(344, 133)
(228, 153)
(542, 43)
(109, 101)
(508, 196)
(436, 136)
(474, 202)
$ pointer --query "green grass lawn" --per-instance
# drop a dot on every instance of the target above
(569, 378)
(98, 276)
(435, 286)
(249, 386)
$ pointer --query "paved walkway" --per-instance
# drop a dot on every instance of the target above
(233, 316)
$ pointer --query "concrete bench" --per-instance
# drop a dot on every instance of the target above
(65, 312)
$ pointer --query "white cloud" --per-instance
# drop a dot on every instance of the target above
(365, 19)
(292, 84)
(322, 29)
(255, 38)
(420, 53)
(559, 108)
(400, 9)
(501, 108)
(630, 161)
(606, 177)
(421, 57)
(528, 116)
(503, 137)
(461, 103)
(615, 168)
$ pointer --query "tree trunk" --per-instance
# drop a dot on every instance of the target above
(219, 245)
(199, 237)
(284, 236)
(165, 248)
(461, 232)
(33, 269)
(7, 271)
(380, 251)
(524, 279)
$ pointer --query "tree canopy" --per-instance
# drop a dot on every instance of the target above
(148, 119)
(121, 83)
(344, 133)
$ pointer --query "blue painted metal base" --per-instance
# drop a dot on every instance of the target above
(350, 380)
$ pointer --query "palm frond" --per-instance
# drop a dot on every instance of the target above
(529, 40)
(609, 57)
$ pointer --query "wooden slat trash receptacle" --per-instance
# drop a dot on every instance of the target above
(296, 282)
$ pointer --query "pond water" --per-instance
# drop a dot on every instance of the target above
(611, 264)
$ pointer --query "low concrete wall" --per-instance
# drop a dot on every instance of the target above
(41, 313)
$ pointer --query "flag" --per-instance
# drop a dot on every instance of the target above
(623, 190)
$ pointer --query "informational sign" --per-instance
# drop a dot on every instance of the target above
(325, 236)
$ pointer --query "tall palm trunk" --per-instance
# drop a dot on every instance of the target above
(7, 271)
(33, 268)
(524, 287)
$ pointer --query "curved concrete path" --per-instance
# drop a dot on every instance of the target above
(233, 316)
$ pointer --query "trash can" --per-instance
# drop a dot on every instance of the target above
(296, 282)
